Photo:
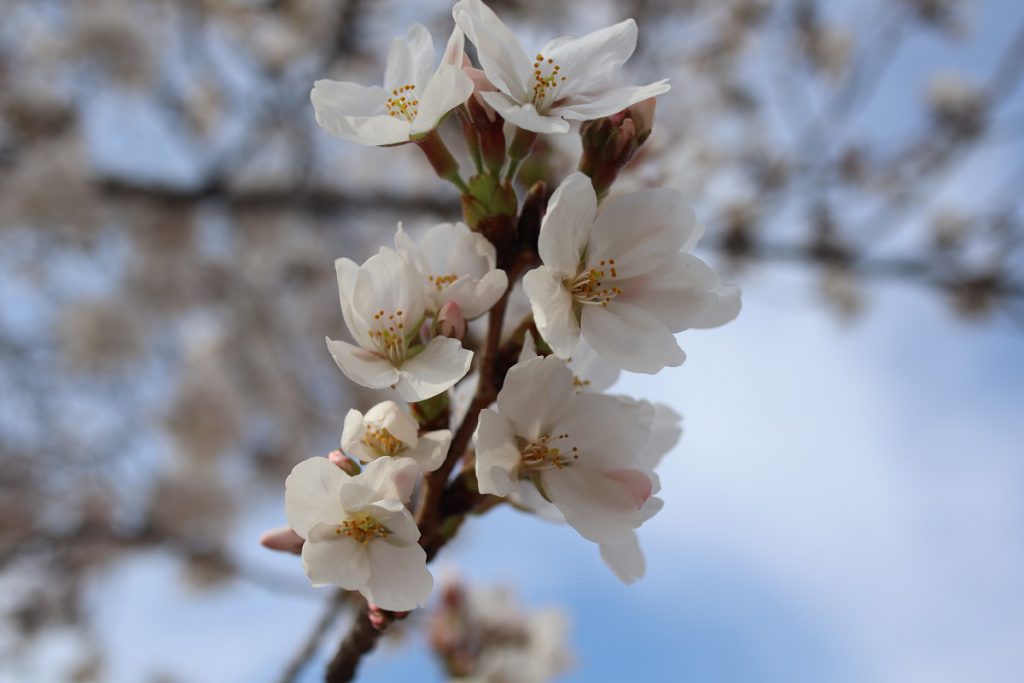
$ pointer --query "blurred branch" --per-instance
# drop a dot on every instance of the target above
(330, 614)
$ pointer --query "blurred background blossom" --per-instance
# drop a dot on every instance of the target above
(845, 505)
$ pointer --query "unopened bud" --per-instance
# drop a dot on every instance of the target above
(612, 142)
(451, 322)
(380, 619)
(344, 463)
(283, 539)
(490, 126)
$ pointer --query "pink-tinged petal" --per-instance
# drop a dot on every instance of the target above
(437, 368)
(535, 396)
(497, 455)
(399, 579)
(447, 89)
(432, 449)
(626, 559)
(553, 310)
(641, 231)
(312, 495)
(332, 559)
(631, 338)
(609, 102)
(525, 115)
(593, 60)
(455, 49)
(363, 367)
(683, 292)
(283, 539)
(500, 53)
(390, 478)
(566, 226)
(600, 509)
(636, 482)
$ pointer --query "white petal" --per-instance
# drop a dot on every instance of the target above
(529, 349)
(527, 497)
(336, 560)
(476, 297)
(446, 89)
(334, 102)
(346, 270)
(455, 49)
(363, 367)
(553, 311)
(431, 450)
(312, 495)
(436, 369)
(501, 55)
(535, 396)
(606, 430)
(725, 304)
(631, 338)
(386, 282)
(609, 102)
(666, 428)
(392, 417)
(641, 231)
(626, 560)
(601, 509)
(591, 61)
(374, 131)
(525, 115)
(592, 372)
(352, 434)
(497, 456)
(399, 579)
(566, 226)
(410, 59)
(683, 293)
(396, 519)
(389, 478)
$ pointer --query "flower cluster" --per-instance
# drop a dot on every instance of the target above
(606, 284)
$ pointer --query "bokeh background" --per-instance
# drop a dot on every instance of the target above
(847, 503)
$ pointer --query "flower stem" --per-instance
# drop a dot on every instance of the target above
(444, 164)
(518, 150)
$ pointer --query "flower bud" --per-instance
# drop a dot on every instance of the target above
(490, 126)
(344, 463)
(451, 322)
(282, 539)
(612, 142)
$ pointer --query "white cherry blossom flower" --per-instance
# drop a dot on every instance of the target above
(579, 450)
(387, 430)
(358, 533)
(623, 278)
(414, 98)
(458, 265)
(590, 372)
(384, 305)
(569, 79)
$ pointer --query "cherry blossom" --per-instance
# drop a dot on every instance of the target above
(578, 449)
(413, 100)
(623, 278)
(387, 430)
(569, 79)
(458, 266)
(358, 533)
(384, 305)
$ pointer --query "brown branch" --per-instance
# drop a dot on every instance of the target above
(361, 639)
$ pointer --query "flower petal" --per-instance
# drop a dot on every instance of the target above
(446, 89)
(724, 305)
(501, 54)
(497, 456)
(399, 579)
(337, 560)
(335, 101)
(600, 509)
(375, 131)
(389, 478)
(397, 519)
(363, 367)
(352, 434)
(312, 495)
(590, 62)
(592, 372)
(431, 450)
(631, 338)
(525, 115)
(606, 430)
(566, 226)
(609, 101)
(410, 59)
(626, 560)
(683, 292)
(476, 297)
(392, 417)
(436, 369)
(535, 396)
(553, 312)
(641, 231)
